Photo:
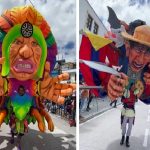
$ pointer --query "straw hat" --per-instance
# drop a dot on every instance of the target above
(140, 35)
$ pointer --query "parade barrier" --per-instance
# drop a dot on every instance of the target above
(66, 111)
(98, 105)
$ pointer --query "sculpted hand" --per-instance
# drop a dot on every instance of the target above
(116, 86)
(52, 89)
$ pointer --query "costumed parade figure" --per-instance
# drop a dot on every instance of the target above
(28, 56)
(130, 55)
(128, 111)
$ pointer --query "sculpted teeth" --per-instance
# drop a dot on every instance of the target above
(137, 65)
(27, 66)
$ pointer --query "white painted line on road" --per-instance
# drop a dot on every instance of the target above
(40, 136)
(148, 118)
(3, 144)
(146, 137)
(65, 146)
(35, 148)
(67, 141)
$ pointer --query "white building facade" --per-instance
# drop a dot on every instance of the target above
(88, 19)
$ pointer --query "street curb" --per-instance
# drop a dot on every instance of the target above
(96, 114)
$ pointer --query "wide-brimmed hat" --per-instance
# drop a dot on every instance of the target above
(140, 35)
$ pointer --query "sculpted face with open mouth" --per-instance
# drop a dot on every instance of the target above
(139, 57)
(25, 54)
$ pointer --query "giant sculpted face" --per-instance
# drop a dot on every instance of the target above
(25, 54)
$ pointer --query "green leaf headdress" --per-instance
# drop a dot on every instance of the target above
(11, 22)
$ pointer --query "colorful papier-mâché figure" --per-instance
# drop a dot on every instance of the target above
(28, 55)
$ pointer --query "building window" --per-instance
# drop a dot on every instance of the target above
(89, 22)
(95, 30)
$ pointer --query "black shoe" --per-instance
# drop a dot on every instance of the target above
(127, 142)
(19, 147)
(122, 140)
(12, 141)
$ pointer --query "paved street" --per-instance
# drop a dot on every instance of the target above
(63, 138)
(103, 132)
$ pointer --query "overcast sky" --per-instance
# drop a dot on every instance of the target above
(127, 10)
(61, 16)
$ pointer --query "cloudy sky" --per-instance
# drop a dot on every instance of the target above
(61, 16)
(127, 10)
